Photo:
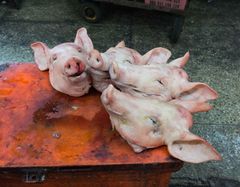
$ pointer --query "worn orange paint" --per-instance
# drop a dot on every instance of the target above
(42, 127)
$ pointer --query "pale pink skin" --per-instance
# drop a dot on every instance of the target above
(100, 63)
(149, 75)
(67, 64)
(166, 82)
(119, 53)
(148, 123)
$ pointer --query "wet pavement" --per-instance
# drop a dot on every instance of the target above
(211, 34)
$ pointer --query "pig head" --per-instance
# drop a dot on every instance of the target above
(66, 63)
(148, 123)
(100, 63)
(120, 54)
(163, 81)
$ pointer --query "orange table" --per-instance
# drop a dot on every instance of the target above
(55, 139)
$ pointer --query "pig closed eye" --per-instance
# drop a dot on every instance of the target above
(54, 57)
(128, 61)
(138, 91)
(79, 50)
(154, 121)
(160, 82)
(156, 126)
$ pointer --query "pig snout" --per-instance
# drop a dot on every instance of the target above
(107, 95)
(74, 67)
(110, 99)
(95, 60)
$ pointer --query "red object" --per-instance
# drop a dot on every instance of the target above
(40, 127)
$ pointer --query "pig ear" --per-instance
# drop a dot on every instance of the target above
(157, 56)
(192, 106)
(198, 91)
(180, 62)
(194, 149)
(41, 55)
(82, 39)
(195, 95)
(121, 44)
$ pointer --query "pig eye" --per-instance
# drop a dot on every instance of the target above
(160, 82)
(128, 61)
(154, 121)
(79, 50)
(54, 57)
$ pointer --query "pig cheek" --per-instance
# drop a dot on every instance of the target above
(178, 81)
(55, 73)
(186, 116)
(59, 75)
(57, 80)
(117, 108)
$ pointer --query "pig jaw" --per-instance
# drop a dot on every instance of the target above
(73, 86)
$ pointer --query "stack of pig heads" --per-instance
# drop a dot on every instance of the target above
(148, 123)
(67, 64)
(100, 63)
(149, 76)
(154, 102)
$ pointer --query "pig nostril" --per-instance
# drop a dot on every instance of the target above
(68, 66)
(98, 60)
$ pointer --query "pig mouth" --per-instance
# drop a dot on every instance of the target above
(76, 74)
(98, 72)
(79, 76)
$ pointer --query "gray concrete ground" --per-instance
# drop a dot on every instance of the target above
(211, 34)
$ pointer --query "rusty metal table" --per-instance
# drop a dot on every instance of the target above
(57, 140)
